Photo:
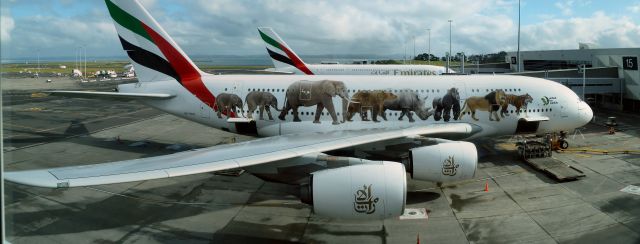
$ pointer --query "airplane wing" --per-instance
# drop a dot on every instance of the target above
(223, 157)
(536, 118)
(110, 95)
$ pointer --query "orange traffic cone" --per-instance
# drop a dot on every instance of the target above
(418, 242)
(486, 186)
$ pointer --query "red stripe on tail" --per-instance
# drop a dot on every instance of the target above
(190, 78)
(296, 61)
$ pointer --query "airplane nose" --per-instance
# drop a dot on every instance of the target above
(587, 113)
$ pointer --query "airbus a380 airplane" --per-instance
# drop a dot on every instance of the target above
(287, 61)
(367, 180)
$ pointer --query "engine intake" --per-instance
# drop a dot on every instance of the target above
(444, 162)
(365, 191)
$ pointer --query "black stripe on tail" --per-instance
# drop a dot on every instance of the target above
(148, 59)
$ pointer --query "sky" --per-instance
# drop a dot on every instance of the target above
(56, 28)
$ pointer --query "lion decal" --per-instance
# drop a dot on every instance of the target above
(490, 103)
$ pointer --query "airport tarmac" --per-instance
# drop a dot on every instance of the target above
(521, 205)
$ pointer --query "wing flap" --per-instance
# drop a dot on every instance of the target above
(222, 157)
(536, 118)
(110, 95)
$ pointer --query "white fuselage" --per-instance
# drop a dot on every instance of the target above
(369, 69)
(563, 108)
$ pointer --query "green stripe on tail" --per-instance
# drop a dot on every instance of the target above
(127, 21)
(269, 40)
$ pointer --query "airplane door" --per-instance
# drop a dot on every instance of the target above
(205, 111)
(238, 90)
(305, 91)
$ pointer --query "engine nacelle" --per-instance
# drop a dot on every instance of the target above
(444, 162)
(366, 191)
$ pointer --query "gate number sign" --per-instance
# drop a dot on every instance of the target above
(630, 63)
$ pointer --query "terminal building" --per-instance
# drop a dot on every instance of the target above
(611, 75)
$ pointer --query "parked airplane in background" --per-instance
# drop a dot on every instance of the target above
(347, 166)
(287, 61)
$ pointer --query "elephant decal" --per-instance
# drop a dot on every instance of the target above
(444, 105)
(261, 100)
(319, 93)
(229, 103)
(491, 103)
(407, 101)
(363, 101)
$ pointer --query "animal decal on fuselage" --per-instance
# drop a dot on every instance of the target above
(520, 102)
(363, 101)
(407, 101)
(320, 93)
(494, 101)
(444, 105)
(490, 103)
(228, 104)
(262, 101)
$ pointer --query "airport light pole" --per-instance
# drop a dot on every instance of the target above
(462, 58)
(518, 53)
(38, 72)
(583, 69)
(84, 74)
(404, 61)
(449, 56)
(414, 49)
(429, 47)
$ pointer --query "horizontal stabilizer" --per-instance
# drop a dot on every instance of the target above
(110, 95)
(277, 72)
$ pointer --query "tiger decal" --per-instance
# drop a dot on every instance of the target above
(520, 102)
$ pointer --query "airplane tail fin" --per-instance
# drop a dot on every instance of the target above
(154, 54)
(152, 51)
(281, 55)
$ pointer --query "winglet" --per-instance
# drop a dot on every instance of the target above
(281, 55)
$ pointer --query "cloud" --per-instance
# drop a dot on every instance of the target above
(566, 7)
(635, 8)
(53, 35)
(604, 30)
(7, 24)
(331, 27)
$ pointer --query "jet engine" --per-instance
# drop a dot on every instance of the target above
(443, 162)
(365, 191)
